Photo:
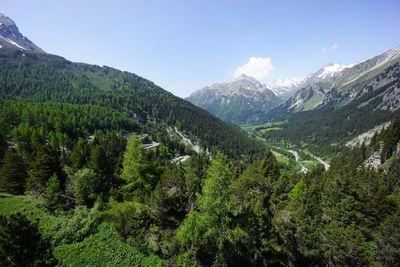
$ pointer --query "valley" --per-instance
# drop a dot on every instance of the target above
(103, 167)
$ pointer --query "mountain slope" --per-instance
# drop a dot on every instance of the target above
(10, 37)
(39, 77)
(241, 101)
(339, 85)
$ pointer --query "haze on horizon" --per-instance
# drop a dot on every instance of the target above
(186, 45)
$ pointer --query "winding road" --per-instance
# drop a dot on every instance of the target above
(296, 157)
(303, 168)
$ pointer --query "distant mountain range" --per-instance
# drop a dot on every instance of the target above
(10, 37)
(343, 84)
(241, 101)
(250, 101)
(332, 111)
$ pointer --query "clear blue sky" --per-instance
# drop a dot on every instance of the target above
(184, 45)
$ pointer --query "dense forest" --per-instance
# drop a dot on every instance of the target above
(108, 201)
(30, 77)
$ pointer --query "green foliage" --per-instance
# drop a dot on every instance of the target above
(64, 227)
(30, 124)
(388, 241)
(252, 192)
(170, 197)
(105, 248)
(346, 246)
(45, 163)
(209, 227)
(85, 185)
(10, 204)
(138, 171)
(135, 223)
(52, 193)
(12, 173)
(21, 243)
(299, 190)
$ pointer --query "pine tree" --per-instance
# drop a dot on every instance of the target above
(85, 187)
(80, 154)
(104, 173)
(207, 229)
(137, 169)
(52, 193)
(43, 166)
(12, 173)
(99, 161)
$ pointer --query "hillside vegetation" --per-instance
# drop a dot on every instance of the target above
(30, 77)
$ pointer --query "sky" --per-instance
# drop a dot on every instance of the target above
(184, 45)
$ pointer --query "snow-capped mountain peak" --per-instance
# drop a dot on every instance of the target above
(284, 86)
(326, 72)
(330, 70)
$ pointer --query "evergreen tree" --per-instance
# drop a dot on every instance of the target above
(12, 173)
(52, 193)
(137, 169)
(252, 193)
(207, 230)
(99, 161)
(21, 243)
(80, 154)
(85, 187)
(43, 166)
(100, 164)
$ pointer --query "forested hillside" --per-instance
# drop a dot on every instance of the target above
(30, 77)
(110, 202)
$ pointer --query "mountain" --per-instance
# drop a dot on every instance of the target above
(241, 101)
(328, 113)
(340, 84)
(10, 37)
(284, 88)
(38, 77)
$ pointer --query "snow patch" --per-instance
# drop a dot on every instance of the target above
(332, 69)
(285, 85)
(12, 42)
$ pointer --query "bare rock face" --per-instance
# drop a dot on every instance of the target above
(10, 37)
(398, 150)
(374, 161)
(391, 100)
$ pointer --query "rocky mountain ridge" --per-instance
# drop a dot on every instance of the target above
(347, 83)
(241, 101)
(10, 37)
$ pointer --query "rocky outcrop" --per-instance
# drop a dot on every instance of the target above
(374, 161)
(10, 37)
